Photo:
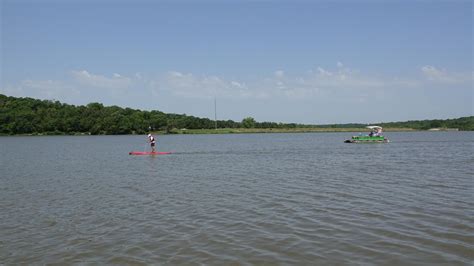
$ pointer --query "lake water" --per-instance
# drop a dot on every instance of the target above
(270, 199)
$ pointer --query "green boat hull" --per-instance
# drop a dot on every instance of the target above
(367, 139)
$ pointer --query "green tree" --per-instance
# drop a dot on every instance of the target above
(248, 122)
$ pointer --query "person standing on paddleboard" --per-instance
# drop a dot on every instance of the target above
(152, 141)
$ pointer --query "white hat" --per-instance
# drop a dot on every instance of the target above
(149, 135)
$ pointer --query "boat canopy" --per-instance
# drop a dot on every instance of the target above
(374, 127)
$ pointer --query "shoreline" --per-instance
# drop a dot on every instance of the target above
(276, 130)
(237, 131)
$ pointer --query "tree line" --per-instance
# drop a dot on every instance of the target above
(33, 116)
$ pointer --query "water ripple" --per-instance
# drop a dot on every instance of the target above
(273, 199)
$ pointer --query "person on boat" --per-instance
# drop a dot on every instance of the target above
(152, 141)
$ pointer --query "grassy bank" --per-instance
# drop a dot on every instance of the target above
(236, 131)
(272, 130)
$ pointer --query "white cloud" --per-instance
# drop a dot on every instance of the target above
(99, 81)
(279, 74)
(194, 86)
(434, 74)
(321, 84)
(341, 83)
(343, 79)
(42, 89)
(323, 72)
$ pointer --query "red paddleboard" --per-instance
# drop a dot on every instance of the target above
(148, 153)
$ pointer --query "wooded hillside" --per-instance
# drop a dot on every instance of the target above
(33, 116)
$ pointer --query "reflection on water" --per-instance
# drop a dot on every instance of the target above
(220, 199)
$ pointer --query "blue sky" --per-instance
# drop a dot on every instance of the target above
(285, 61)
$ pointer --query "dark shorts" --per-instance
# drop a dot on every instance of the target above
(152, 144)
